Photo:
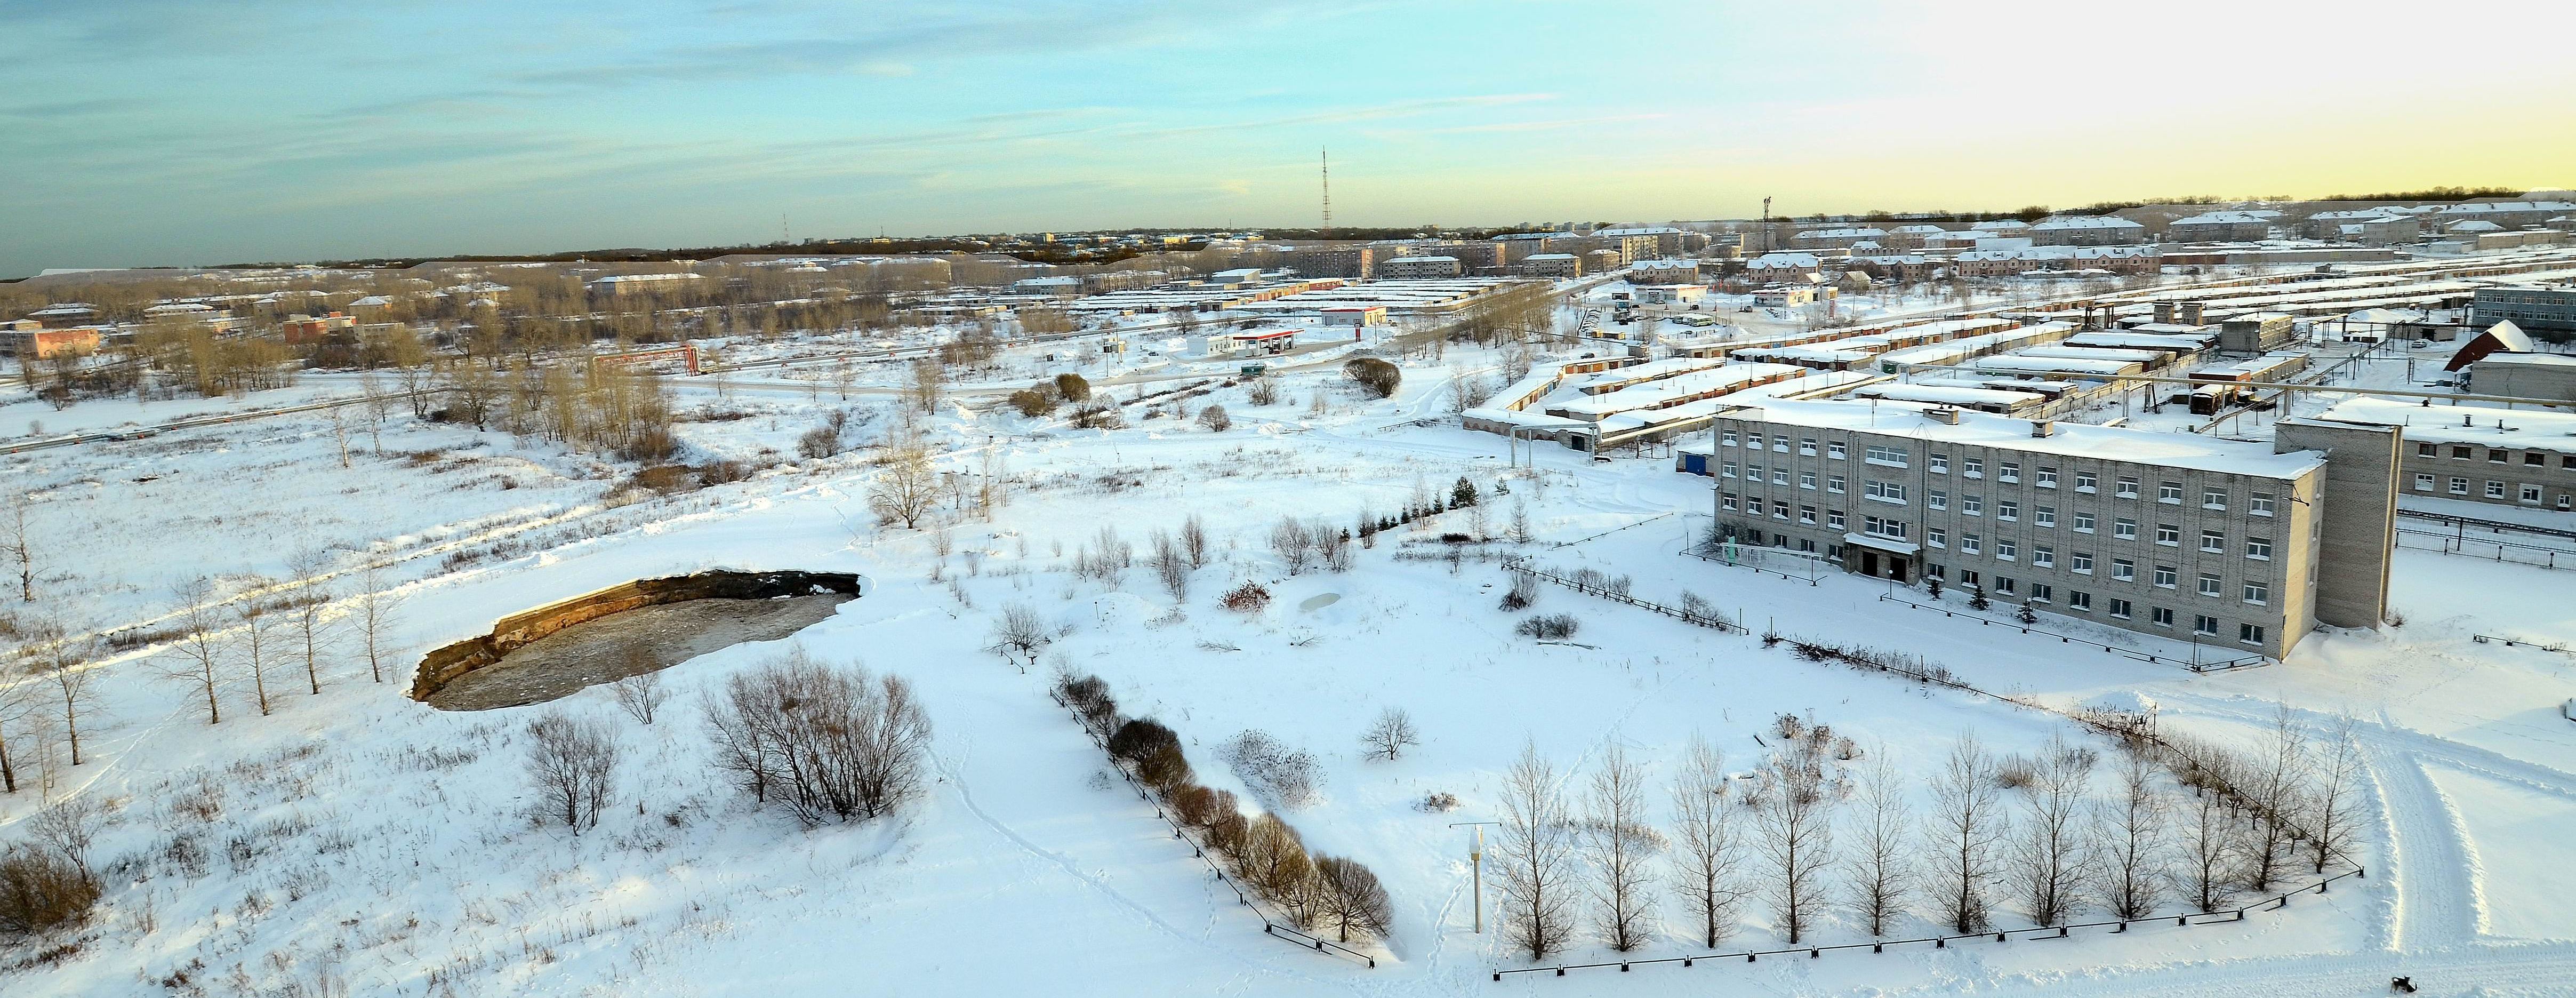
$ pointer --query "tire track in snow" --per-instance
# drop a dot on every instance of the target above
(2428, 862)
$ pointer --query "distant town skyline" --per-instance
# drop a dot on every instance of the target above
(162, 133)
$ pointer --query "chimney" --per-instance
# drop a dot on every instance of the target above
(2043, 428)
(1942, 415)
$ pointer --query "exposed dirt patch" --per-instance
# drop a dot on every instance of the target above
(645, 639)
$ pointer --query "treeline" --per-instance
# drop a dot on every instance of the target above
(1821, 829)
(588, 407)
(1311, 890)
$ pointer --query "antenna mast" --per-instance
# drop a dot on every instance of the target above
(1328, 193)
(1766, 225)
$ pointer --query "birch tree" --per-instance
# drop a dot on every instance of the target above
(18, 542)
(1795, 833)
(2212, 856)
(196, 657)
(1537, 853)
(256, 626)
(2129, 843)
(373, 611)
(1620, 846)
(1709, 858)
(311, 596)
(2049, 851)
(1967, 826)
(2277, 785)
(1880, 873)
(2333, 810)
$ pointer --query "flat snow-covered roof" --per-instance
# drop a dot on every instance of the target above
(2109, 443)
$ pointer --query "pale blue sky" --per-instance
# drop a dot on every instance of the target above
(157, 132)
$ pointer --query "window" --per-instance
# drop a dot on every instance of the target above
(2124, 570)
(2004, 585)
(1726, 500)
(1779, 476)
(1967, 543)
(2008, 471)
(2083, 523)
(1807, 480)
(1936, 537)
(2495, 490)
(1834, 449)
(2006, 509)
(1893, 457)
(2041, 592)
(2459, 486)
(2423, 483)
(2006, 548)
(2045, 516)
(2084, 481)
(2258, 548)
(2258, 593)
(1807, 514)
(1779, 510)
(2426, 450)
(2168, 535)
(1974, 467)
(2208, 584)
(1936, 571)
(1936, 500)
(2213, 542)
(1885, 491)
(2166, 577)
(2120, 608)
(2169, 492)
(2161, 615)
(2081, 562)
(2261, 504)
(1753, 471)
(2126, 530)
(2043, 556)
(2496, 456)
(2462, 453)
(1726, 438)
(1834, 483)
(1887, 528)
(1939, 463)
(2534, 459)
(1807, 446)
(2128, 488)
(1972, 505)
(2251, 634)
(1779, 443)
(2079, 600)
(2047, 478)
(2531, 493)
(2203, 624)
(1834, 518)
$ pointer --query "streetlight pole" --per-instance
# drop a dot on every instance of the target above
(1476, 859)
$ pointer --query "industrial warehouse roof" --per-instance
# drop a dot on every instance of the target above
(2108, 443)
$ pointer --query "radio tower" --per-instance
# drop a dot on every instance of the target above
(1328, 193)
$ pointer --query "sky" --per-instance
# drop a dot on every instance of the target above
(176, 132)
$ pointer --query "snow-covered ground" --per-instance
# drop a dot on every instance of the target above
(358, 840)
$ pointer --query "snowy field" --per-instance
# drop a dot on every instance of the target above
(356, 842)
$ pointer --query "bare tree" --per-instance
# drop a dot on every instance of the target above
(374, 612)
(307, 568)
(20, 699)
(1391, 735)
(1171, 566)
(1020, 631)
(379, 408)
(572, 764)
(641, 695)
(256, 625)
(1967, 825)
(1708, 865)
(1273, 860)
(831, 742)
(1332, 544)
(2048, 852)
(1194, 540)
(68, 826)
(1537, 852)
(1292, 542)
(1881, 872)
(2334, 805)
(1793, 822)
(926, 387)
(2277, 785)
(2213, 854)
(55, 657)
(196, 657)
(1620, 846)
(17, 540)
(905, 489)
(1348, 896)
(2128, 843)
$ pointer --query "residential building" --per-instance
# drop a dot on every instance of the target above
(1681, 271)
(1556, 265)
(2192, 538)
(1404, 268)
(29, 344)
(2087, 230)
(2221, 226)
(2534, 309)
(1353, 262)
(2505, 214)
(1840, 237)
(623, 285)
(2550, 376)
(1668, 240)
(2113, 259)
(2506, 457)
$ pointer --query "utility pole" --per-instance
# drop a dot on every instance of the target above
(1328, 192)
(1476, 857)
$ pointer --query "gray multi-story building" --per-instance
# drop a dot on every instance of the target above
(2507, 457)
(2181, 536)
(2532, 308)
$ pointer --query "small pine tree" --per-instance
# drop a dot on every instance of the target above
(2026, 615)
(1463, 494)
(1977, 597)
(1932, 583)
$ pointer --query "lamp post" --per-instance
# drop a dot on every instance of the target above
(1476, 859)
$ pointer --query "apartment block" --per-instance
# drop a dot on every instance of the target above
(2180, 536)
(2506, 457)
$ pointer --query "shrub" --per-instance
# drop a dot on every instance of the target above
(819, 442)
(1098, 416)
(1032, 402)
(1376, 376)
(831, 742)
(1199, 807)
(1136, 739)
(1165, 769)
(572, 763)
(1214, 419)
(1288, 777)
(1249, 597)
(1089, 697)
(1227, 832)
(1347, 896)
(40, 892)
(1549, 627)
(2026, 615)
(1262, 391)
(1073, 387)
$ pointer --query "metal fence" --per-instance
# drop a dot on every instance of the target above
(2195, 663)
(1588, 589)
(2492, 550)
(2222, 916)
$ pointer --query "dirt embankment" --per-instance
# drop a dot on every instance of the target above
(648, 639)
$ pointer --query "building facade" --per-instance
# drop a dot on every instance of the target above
(2505, 457)
(2087, 230)
(2531, 308)
(2198, 539)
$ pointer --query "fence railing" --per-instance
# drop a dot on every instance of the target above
(2221, 916)
(1703, 553)
(2559, 647)
(1702, 619)
(2477, 547)
(1270, 926)
(2491, 526)
(2195, 664)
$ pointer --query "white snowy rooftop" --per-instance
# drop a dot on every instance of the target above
(2540, 429)
(2108, 443)
(2085, 222)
